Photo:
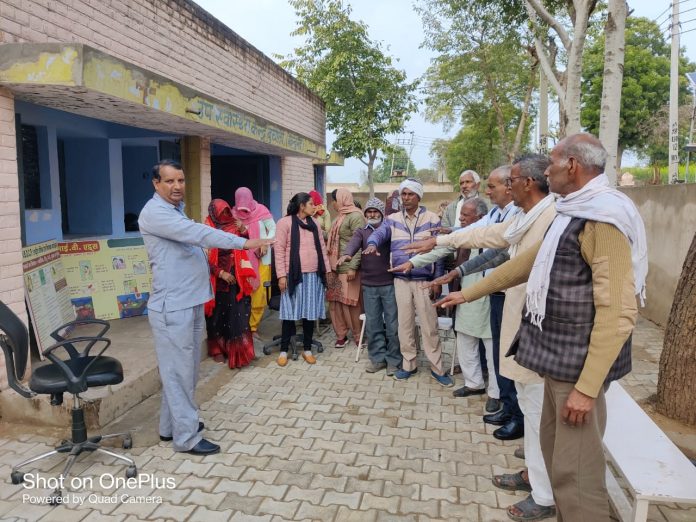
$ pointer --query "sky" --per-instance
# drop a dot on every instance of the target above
(267, 25)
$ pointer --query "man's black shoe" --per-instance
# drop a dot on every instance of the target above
(167, 439)
(204, 447)
(511, 431)
(465, 391)
(497, 419)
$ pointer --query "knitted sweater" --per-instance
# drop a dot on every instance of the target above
(401, 230)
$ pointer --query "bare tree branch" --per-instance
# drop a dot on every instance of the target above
(551, 21)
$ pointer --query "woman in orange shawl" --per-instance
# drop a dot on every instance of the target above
(232, 278)
(343, 282)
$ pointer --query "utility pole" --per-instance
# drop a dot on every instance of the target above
(543, 113)
(410, 151)
(673, 173)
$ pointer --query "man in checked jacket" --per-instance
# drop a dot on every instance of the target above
(580, 311)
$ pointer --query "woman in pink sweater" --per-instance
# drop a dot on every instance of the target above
(301, 266)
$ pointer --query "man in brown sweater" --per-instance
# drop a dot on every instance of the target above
(579, 314)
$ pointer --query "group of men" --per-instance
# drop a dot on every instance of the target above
(548, 278)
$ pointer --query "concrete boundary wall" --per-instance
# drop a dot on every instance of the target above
(669, 213)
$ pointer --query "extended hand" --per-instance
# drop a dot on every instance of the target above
(263, 251)
(403, 268)
(252, 244)
(283, 284)
(351, 275)
(577, 408)
(447, 278)
(372, 249)
(420, 247)
(343, 259)
(435, 291)
(441, 230)
(451, 299)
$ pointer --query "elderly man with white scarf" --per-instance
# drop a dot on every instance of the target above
(582, 283)
(530, 192)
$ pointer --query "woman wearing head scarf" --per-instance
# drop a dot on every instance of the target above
(301, 266)
(321, 213)
(233, 280)
(343, 292)
(259, 223)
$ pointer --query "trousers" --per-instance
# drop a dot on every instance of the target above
(382, 325)
(178, 336)
(531, 399)
(574, 457)
(412, 300)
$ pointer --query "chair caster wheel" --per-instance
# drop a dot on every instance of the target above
(17, 477)
(56, 498)
(127, 442)
(131, 472)
(266, 351)
(295, 356)
(320, 349)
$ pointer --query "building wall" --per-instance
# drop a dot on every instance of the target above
(298, 176)
(669, 213)
(11, 280)
(180, 41)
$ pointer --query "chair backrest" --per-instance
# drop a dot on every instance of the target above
(14, 340)
(273, 296)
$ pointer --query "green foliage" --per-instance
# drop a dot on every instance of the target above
(366, 97)
(481, 62)
(645, 88)
(475, 147)
(399, 156)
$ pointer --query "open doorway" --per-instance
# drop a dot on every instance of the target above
(231, 169)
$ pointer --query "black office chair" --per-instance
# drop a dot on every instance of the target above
(273, 301)
(74, 375)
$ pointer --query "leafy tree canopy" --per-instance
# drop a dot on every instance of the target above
(366, 97)
(645, 88)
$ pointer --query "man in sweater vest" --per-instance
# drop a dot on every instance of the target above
(580, 310)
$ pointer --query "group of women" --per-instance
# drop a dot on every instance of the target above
(306, 252)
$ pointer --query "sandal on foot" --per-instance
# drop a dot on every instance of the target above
(512, 482)
(527, 510)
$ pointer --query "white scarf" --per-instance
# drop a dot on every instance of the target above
(596, 201)
(523, 221)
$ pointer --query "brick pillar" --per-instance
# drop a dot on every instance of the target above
(297, 176)
(11, 278)
(195, 157)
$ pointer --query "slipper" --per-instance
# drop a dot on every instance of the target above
(511, 482)
(529, 510)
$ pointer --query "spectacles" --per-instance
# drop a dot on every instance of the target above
(509, 181)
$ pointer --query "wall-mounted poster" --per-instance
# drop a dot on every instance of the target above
(108, 279)
(46, 291)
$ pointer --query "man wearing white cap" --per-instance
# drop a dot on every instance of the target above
(411, 224)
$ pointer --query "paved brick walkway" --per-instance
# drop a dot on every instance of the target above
(323, 442)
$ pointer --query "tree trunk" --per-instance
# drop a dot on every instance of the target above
(609, 118)
(525, 112)
(371, 156)
(676, 393)
(619, 156)
(571, 106)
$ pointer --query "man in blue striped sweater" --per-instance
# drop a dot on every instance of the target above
(400, 229)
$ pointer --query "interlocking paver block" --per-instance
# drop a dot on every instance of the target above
(351, 500)
(276, 492)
